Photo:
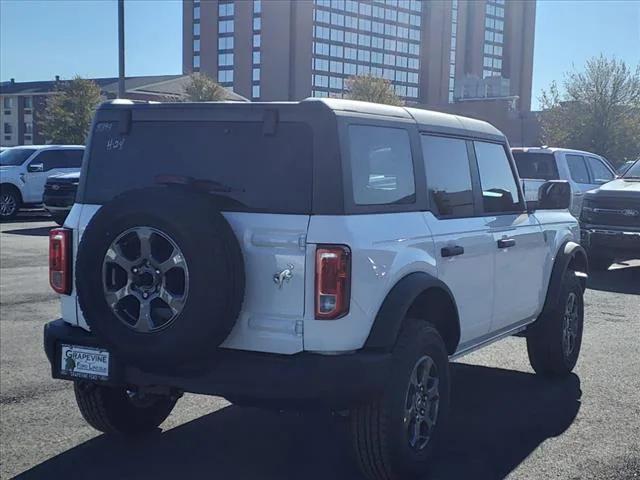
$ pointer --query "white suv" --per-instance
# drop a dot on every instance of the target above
(322, 253)
(24, 172)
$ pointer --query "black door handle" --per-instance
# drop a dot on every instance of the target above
(452, 251)
(506, 243)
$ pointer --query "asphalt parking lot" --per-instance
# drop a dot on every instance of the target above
(507, 422)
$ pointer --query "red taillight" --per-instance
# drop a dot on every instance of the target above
(333, 281)
(60, 260)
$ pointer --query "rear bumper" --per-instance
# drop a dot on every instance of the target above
(611, 241)
(303, 380)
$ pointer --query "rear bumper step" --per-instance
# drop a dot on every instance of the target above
(303, 380)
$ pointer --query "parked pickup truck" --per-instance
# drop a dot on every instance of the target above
(24, 171)
(60, 195)
(583, 170)
(610, 220)
(324, 253)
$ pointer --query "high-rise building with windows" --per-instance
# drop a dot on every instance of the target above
(433, 52)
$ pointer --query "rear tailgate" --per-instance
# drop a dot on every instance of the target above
(263, 177)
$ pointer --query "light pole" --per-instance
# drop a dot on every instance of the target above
(121, 49)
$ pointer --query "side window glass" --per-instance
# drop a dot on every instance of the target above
(381, 165)
(51, 159)
(499, 188)
(578, 169)
(448, 175)
(599, 172)
(74, 159)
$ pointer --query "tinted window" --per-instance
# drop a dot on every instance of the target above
(448, 175)
(499, 188)
(59, 159)
(578, 169)
(246, 168)
(381, 165)
(15, 156)
(74, 158)
(633, 171)
(599, 172)
(536, 165)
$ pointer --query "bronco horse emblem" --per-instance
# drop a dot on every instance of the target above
(283, 276)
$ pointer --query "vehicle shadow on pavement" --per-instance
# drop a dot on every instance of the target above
(618, 280)
(31, 232)
(499, 418)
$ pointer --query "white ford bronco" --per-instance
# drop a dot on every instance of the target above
(322, 253)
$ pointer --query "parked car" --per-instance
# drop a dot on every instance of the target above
(24, 171)
(610, 220)
(625, 166)
(583, 170)
(60, 195)
(323, 253)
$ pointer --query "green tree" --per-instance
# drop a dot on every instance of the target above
(599, 110)
(201, 88)
(68, 112)
(372, 89)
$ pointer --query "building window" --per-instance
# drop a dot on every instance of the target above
(196, 13)
(8, 128)
(7, 103)
(225, 76)
(493, 36)
(225, 26)
(196, 29)
(28, 102)
(257, 40)
(452, 49)
(28, 128)
(225, 60)
(385, 33)
(255, 91)
(196, 45)
(225, 43)
(196, 61)
(225, 9)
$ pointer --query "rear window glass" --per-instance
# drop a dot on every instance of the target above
(536, 165)
(381, 165)
(251, 170)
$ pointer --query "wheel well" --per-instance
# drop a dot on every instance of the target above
(579, 263)
(436, 306)
(12, 187)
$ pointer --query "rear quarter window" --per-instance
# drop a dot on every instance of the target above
(254, 171)
(536, 165)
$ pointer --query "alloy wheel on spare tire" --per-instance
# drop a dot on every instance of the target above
(160, 276)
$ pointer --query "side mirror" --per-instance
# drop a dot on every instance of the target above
(554, 195)
(36, 167)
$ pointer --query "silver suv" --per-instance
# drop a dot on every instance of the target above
(324, 253)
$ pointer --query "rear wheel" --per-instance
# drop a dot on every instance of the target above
(118, 410)
(9, 203)
(554, 341)
(394, 436)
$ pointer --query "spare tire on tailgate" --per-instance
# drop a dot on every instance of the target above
(160, 276)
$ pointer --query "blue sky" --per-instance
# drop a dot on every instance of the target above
(43, 38)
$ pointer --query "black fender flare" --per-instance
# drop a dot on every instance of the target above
(570, 255)
(401, 297)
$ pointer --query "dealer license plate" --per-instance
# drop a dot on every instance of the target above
(84, 362)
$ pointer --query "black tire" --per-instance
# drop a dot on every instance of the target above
(112, 410)
(379, 436)
(59, 218)
(10, 202)
(546, 338)
(599, 263)
(215, 268)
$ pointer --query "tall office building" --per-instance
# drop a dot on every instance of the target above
(434, 53)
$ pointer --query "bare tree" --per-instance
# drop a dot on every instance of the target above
(372, 89)
(201, 88)
(599, 110)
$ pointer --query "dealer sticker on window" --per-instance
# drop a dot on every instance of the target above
(84, 362)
